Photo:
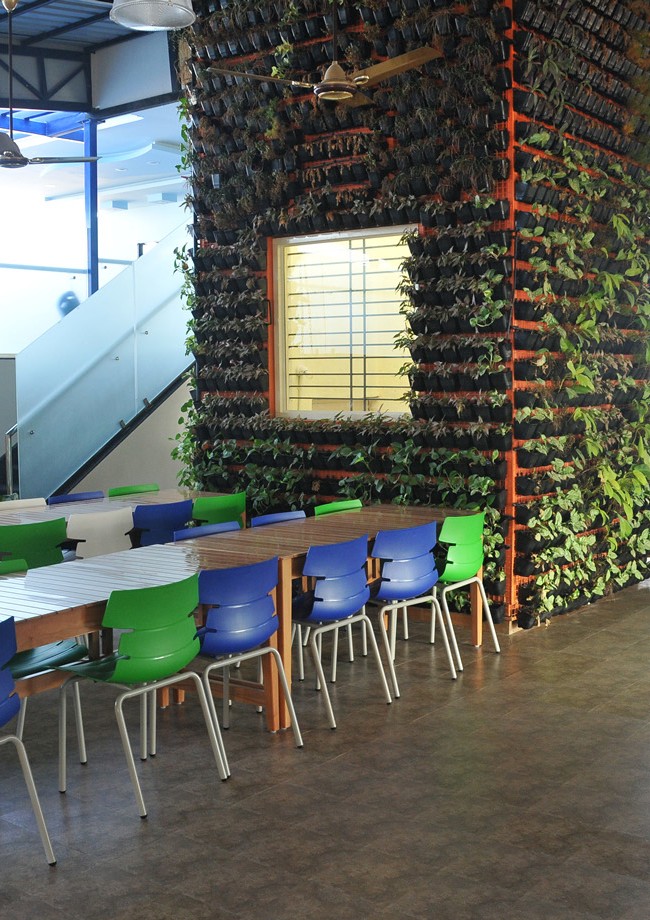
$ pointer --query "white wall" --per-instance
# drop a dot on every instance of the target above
(131, 71)
(145, 455)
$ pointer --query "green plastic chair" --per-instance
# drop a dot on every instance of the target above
(133, 490)
(333, 507)
(463, 537)
(47, 658)
(159, 639)
(38, 544)
(218, 509)
(13, 566)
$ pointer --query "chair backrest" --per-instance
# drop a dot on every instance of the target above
(241, 612)
(341, 585)
(332, 507)
(276, 518)
(191, 533)
(101, 532)
(217, 509)
(463, 538)
(160, 633)
(38, 543)
(12, 566)
(9, 699)
(158, 523)
(133, 490)
(73, 497)
(408, 567)
(15, 504)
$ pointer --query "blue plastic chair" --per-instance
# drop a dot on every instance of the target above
(337, 599)
(158, 523)
(190, 533)
(240, 618)
(277, 518)
(9, 707)
(408, 575)
(74, 497)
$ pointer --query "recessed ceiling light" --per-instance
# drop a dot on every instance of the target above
(121, 169)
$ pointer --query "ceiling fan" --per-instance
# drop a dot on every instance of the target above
(10, 155)
(339, 86)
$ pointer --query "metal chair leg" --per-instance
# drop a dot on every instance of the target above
(225, 700)
(335, 654)
(78, 716)
(126, 744)
(213, 714)
(375, 651)
(33, 795)
(437, 614)
(321, 684)
(450, 627)
(350, 644)
(296, 634)
(488, 616)
(153, 716)
(287, 695)
(384, 629)
(20, 724)
(143, 727)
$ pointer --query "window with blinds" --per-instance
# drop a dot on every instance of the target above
(338, 314)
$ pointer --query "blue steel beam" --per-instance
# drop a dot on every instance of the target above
(69, 125)
(90, 197)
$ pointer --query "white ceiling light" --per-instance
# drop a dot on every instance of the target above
(153, 15)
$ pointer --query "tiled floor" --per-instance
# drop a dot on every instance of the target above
(520, 791)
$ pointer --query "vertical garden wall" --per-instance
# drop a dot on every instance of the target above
(521, 155)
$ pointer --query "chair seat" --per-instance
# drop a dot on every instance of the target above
(101, 669)
(215, 643)
(402, 590)
(46, 657)
(342, 609)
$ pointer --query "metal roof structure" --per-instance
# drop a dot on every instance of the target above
(53, 41)
(63, 25)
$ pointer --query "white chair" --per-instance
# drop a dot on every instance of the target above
(15, 504)
(100, 532)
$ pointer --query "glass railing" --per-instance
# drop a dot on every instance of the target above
(88, 376)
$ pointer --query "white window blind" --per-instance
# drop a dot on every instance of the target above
(339, 317)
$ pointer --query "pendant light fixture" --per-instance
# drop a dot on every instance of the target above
(153, 15)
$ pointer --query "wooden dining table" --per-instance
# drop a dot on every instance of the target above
(68, 599)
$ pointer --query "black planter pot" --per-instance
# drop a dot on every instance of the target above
(532, 485)
(529, 459)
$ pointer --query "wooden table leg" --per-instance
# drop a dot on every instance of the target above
(271, 690)
(283, 607)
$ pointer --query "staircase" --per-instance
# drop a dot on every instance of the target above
(89, 377)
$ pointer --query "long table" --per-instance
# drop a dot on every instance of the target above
(68, 599)
(93, 505)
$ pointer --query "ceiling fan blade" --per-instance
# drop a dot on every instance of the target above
(42, 161)
(396, 65)
(258, 76)
(358, 100)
